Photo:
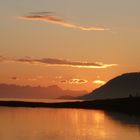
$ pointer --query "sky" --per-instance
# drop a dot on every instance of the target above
(77, 45)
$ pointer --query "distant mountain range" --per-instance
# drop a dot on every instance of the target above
(123, 86)
(16, 91)
(120, 87)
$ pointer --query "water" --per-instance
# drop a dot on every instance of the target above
(66, 124)
(38, 100)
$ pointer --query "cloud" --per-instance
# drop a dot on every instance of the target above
(61, 62)
(74, 81)
(63, 81)
(14, 78)
(51, 18)
(77, 81)
(99, 82)
(66, 63)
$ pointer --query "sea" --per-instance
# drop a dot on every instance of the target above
(39, 100)
(19, 123)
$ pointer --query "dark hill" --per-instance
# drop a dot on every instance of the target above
(120, 87)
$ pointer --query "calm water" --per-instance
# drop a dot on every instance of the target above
(38, 100)
(66, 124)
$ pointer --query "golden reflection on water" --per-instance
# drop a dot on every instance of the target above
(62, 124)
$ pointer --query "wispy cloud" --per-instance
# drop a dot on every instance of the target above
(63, 81)
(59, 62)
(99, 82)
(51, 18)
(63, 62)
(74, 81)
(77, 81)
(14, 78)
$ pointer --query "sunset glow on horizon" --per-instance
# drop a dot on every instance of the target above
(77, 45)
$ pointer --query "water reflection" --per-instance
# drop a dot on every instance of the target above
(64, 124)
(124, 118)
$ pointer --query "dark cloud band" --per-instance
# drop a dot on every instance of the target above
(58, 62)
(63, 62)
(51, 18)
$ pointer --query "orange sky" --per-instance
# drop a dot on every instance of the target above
(76, 45)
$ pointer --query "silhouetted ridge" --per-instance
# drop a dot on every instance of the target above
(120, 87)
(124, 105)
(53, 91)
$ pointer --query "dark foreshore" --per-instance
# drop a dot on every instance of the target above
(129, 105)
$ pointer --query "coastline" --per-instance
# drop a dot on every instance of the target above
(123, 105)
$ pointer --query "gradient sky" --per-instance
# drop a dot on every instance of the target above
(47, 42)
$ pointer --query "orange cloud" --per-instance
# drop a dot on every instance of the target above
(65, 63)
(77, 81)
(14, 78)
(100, 82)
(49, 17)
(60, 62)
(63, 81)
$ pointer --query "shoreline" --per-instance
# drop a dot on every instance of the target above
(123, 105)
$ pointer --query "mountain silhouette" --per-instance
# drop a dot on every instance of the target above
(53, 91)
(126, 85)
